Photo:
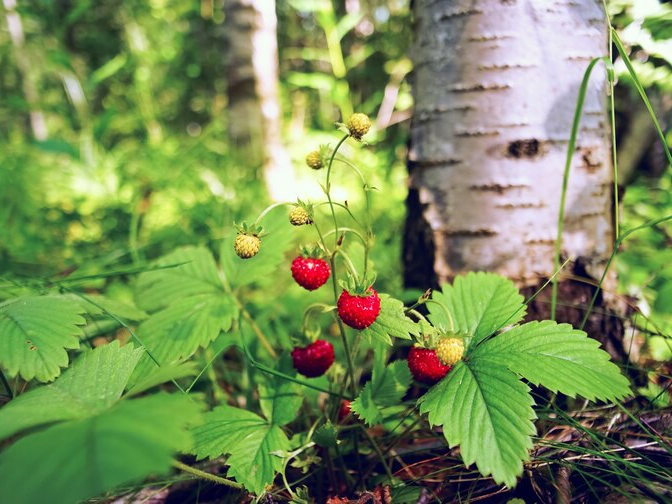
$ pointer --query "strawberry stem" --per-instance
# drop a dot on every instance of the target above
(271, 207)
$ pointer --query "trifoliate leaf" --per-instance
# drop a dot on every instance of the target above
(391, 322)
(186, 272)
(73, 461)
(387, 387)
(486, 410)
(560, 358)
(35, 333)
(249, 439)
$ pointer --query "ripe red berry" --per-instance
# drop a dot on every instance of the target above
(344, 410)
(425, 365)
(310, 273)
(313, 360)
(359, 312)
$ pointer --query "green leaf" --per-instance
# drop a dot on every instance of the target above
(95, 304)
(188, 271)
(92, 384)
(260, 268)
(35, 333)
(164, 374)
(480, 304)
(487, 410)
(280, 399)
(175, 333)
(386, 388)
(249, 439)
(326, 435)
(391, 322)
(560, 358)
(76, 460)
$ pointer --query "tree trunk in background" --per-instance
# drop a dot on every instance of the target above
(495, 86)
(38, 124)
(254, 110)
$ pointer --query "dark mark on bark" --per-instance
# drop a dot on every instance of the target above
(540, 241)
(470, 88)
(458, 13)
(496, 66)
(527, 148)
(475, 233)
(432, 163)
(589, 161)
(476, 133)
(498, 188)
(515, 206)
(489, 38)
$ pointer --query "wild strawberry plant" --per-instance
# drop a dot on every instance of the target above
(306, 396)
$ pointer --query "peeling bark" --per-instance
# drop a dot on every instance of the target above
(495, 88)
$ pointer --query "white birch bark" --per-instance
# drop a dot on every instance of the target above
(254, 102)
(495, 86)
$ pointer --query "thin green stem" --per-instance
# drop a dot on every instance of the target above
(612, 120)
(565, 179)
(270, 208)
(345, 207)
(271, 371)
(376, 448)
(621, 50)
(206, 476)
(5, 384)
(445, 310)
(125, 326)
(328, 185)
(349, 263)
(349, 230)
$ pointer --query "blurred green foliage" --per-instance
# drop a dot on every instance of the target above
(137, 160)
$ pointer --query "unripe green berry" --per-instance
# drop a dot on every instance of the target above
(450, 351)
(358, 125)
(314, 160)
(246, 245)
(299, 217)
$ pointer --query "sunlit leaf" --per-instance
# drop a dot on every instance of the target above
(35, 333)
(486, 410)
(560, 358)
(386, 388)
(479, 303)
(392, 322)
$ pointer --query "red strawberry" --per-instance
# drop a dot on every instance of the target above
(425, 365)
(313, 360)
(344, 410)
(359, 312)
(310, 273)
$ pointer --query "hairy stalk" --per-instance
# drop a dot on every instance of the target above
(350, 230)
(206, 476)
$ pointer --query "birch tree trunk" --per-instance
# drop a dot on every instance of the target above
(495, 87)
(254, 103)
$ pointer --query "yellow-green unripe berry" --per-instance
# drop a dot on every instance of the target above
(246, 246)
(299, 217)
(314, 160)
(450, 351)
(358, 125)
